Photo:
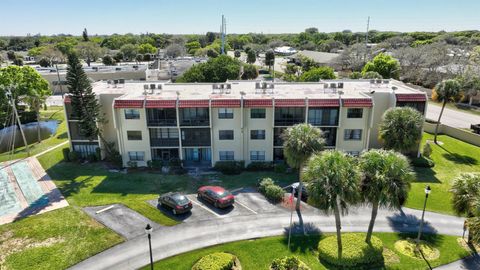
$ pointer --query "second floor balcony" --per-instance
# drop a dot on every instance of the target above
(161, 117)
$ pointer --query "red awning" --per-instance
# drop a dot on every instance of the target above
(324, 102)
(411, 97)
(200, 103)
(225, 103)
(120, 103)
(289, 102)
(168, 103)
(357, 102)
(67, 99)
(250, 103)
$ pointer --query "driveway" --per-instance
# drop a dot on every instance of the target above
(269, 220)
(451, 117)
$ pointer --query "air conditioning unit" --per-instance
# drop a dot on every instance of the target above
(340, 85)
(333, 85)
(229, 86)
(159, 86)
(145, 86)
(152, 86)
(379, 81)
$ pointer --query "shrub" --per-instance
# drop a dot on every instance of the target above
(230, 167)
(155, 164)
(427, 150)
(356, 254)
(92, 157)
(66, 152)
(288, 263)
(280, 168)
(264, 183)
(260, 166)
(423, 162)
(175, 162)
(215, 261)
(132, 164)
(274, 193)
(98, 154)
(73, 156)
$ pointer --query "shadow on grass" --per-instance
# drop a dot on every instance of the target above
(460, 159)
(64, 135)
(425, 175)
(407, 227)
(300, 242)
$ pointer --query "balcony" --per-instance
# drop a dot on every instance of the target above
(289, 116)
(154, 142)
(194, 117)
(277, 136)
(323, 117)
(196, 137)
(195, 122)
(161, 122)
(161, 117)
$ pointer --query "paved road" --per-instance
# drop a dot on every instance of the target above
(169, 241)
(452, 117)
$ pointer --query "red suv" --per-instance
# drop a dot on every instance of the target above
(218, 196)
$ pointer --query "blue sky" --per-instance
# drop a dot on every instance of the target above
(19, 17)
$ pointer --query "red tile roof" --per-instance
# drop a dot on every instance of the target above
(120, 103)
(249, 103)
(411, 97)
(194, 103)
(357, 102)
(166, 103)
(226, 103)
(324, 102)
(289, 102)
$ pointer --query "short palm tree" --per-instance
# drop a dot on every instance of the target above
(447, 90)
(401, 128)
(300, 142)
(466, 201)
(385, 181)
(333, 179)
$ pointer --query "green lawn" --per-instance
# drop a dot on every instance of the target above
(92, 184)
(54, 240)
(259, 253)
(53, 113)
(451, 159)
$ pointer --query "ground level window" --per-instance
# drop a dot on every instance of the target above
(352, 135)
(85, 149)
(136, 156)
(257, 155)
(226, 155)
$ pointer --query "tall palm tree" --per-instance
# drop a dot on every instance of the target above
(401, 128)
(447, 90)
(300, 142)
(466, 201)
(385, 182)
(333, 179)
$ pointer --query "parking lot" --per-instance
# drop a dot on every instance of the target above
(247, 202)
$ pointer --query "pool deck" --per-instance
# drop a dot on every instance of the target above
(55, 198)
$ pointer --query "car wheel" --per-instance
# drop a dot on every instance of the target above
(174, 211)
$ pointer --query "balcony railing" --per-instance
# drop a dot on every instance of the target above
(154, 142)
(162, 122)
(289, 122)
(195, 122)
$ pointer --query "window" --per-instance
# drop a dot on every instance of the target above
(132, 114)
(257, 113)
(161, 117)
(134, 135)
(225, 113)
(226, 155)
(136, 156)
(194, 117)
(257, 134)
(354, 153)
(353, 134)
(355, 113)
(323, 116)
(257, 155)
(289, 116)
(163, 133)
(225, 134)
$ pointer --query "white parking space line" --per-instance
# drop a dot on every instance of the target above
(246, 207)
(206, 208)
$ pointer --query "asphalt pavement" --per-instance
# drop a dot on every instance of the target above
(452, 117)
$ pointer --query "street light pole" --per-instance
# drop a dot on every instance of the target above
(149, 230)
(427, 191)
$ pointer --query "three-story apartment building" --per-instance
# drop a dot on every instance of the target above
(202, 123)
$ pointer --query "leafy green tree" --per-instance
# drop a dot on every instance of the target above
(147, 48)
(317, 74)
(307, 63)
(85, 35)
(11, 55)
(250, 72)
(333, 179)
(355, 75)
(385, 182)
(193, 46)
(89, 51)
(129, 51)
(43, 62)
(299, 143)
(219, 69)
(237, 54)
(66, 47)
(36, 100)
(466, 201)
(401, 128)
(251, 57)
(84, 103)
(371, 75)
(175, 50)
(212, 53)
(139, 57)
(446, 91)
(470, 84)
(269, 59)
(107, 60)
(211, 37)
(18, 61)
(118, 57)
(385, 65)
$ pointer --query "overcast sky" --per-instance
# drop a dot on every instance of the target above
(21, 17)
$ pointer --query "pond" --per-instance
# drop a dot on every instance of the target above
(47, 128)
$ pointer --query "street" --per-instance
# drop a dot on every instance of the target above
(451, 117)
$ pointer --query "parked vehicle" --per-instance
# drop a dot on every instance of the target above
(296, 187)
(218, 196)
(178, 202)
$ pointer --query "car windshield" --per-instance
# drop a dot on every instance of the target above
(180, 199)
(222, 194)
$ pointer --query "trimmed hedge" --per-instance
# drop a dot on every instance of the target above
(356, 254)
(262, 186)
(230, 167)
(288, 263)
(280, 168)
(215, 261)
(422, 162)
(272, 192)
(260, 166)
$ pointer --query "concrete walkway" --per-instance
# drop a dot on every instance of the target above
(169, 241)
(51, 148)
(471, 262)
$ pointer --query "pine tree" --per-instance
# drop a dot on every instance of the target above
(85, 35)
(84, 104)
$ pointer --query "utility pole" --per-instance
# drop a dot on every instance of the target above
(223, 30)
(366, 39)
(12, 102)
